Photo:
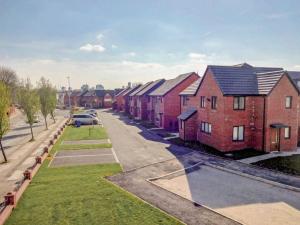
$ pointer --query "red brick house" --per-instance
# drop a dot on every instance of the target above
(133, 110)
(97, 99)
(122, 99)
(165, 100)
(240, 107)
(144, 107)
(75, 97)
(119, 100)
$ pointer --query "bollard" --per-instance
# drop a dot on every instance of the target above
(38, 159)
(27, 175)
(55, 136)
(10, 198)
(51, 142)
(46, 149)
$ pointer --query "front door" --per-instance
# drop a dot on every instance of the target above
(275, 139)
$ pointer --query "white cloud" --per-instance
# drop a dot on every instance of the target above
(280, 15)
(100, 36)
(197, 56)
(114, 46)
(133, 54)
(297, 66)
(92, 48)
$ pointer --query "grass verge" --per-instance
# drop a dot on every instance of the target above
(288, 164)
(85, 133)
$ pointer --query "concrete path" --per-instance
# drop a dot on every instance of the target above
(23, 157)
(245, 200)
(145, 155)
(269, 156)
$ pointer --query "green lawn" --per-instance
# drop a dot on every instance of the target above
(85, 133)
(81, 195)
(288, 164)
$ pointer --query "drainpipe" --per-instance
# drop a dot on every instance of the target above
(264, 124)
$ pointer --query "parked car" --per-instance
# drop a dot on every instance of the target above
(92, 111)
(85, 119)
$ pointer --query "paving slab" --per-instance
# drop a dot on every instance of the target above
(82, 157)
(85, 142)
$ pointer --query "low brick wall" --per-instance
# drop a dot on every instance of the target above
(12, 198)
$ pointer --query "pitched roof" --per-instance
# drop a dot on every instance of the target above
(266, 81)
(168, 85)
(140, 88)
(240, 79)
(77, 93)
(155, 84)
(295, 76)
(102, 93)
(130, 90)
(187, 114)
(121, 92)
(192, 89)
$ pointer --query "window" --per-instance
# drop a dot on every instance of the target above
(298, 83)
(238, 133)
(181, 124)
(213, 102)
(287, 132)
(239, 103)
(184, 100)
(202, 101)
(206, 127)
(288, 102)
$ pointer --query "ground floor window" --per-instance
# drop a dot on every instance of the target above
(206, 127)
(238, 133)
(287, 132)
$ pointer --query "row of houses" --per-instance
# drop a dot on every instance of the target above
(90, 98)
(229, 108)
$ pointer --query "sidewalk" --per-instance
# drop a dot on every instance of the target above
(20, 160)
(269, 156)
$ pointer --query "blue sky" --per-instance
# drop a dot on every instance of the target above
(113, 42)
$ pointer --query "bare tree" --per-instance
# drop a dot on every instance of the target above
(4, 120)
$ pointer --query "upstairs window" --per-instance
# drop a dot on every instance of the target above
(202, 101)
(184, 100)
(287, 132)
(239, 103)
(213, 102)
(238, 133)
(288, 102)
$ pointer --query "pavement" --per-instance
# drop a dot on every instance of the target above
(270, 156)
(145, 155)
(20, 152)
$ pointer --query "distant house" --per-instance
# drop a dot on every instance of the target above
(165, 100)
(75, 97)
(238, 107)
(97, 99)
(145, 111)
(126, 98)
(119, 100)
(133, 99)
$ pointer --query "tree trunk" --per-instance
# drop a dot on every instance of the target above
(3, 153)
(45, 118)
(53, 117)
(32, 137)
